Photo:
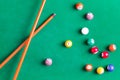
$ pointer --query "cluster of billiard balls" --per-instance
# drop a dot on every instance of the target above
(91, 42)
(104, 54)
(93, 50)
(100, 70)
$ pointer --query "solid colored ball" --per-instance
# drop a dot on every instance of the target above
(105, 54)
(94, 50)
(110, 67)
(48, 61)
(89, 16)
(68, 43)
(100, 70)
(84, 30)
(91, 41)
(79, 6)
(88, 67)
(112, 47)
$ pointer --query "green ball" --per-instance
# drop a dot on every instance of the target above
(91, 41)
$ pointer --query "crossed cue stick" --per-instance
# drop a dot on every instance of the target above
(26, 43)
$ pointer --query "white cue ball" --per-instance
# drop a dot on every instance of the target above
(85, 31)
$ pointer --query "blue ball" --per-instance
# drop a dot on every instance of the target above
(110, 67)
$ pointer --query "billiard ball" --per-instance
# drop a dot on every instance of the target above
(112, 47)
(84, 30)
(48, 61)
(105, 54)
(100, 70)
(110, 67)
(94, 50)
(89, 16)
(88, 67)
(79, 6)
(91, 41)
(68, 43)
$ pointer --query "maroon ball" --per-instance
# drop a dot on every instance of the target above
(105, 54)
(94, 50)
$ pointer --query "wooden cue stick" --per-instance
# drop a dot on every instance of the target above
(22, 44)
(28, 42)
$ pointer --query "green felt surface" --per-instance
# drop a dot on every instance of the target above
(17, 18)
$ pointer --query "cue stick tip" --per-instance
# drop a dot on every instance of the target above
(54, 14)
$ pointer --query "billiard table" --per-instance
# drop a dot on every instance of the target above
(17, 18)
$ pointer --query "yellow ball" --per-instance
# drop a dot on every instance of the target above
(100, 70)
(68, 43)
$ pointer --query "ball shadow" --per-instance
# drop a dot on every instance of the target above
(43, 62)
(79, 31)
(107, 48)
(95, 71)
(85, 42)
(84, 16)
(83, 68)
(63, 43)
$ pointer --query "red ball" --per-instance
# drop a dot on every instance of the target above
(104, 54)
(94, 50)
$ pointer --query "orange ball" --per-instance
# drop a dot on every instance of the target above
(112, 47)
(88, 67)
(79, 6)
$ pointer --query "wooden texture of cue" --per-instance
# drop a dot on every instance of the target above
(19, 47)
(28, 41)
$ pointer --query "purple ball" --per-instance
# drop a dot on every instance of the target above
(110, 67)
(48, 62)
(89, 16)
